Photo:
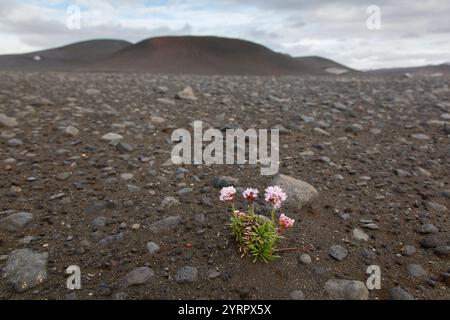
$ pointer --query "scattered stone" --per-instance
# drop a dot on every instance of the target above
(305, 258)
(16, 221)
(435, 206)
(152, 247)
(420, 136)
(7, 121)
(399, 293)
(409, 251)
(358, 234)
(126, 176)
(157, 120)
(125, 147)
(135, 226)
(354, 128)
(187, 274)
(169, 202)
(338, 253)
(371, 226)
(213, 274)
(442, 251)
(15, 142)
(299, 193)
(186, 94)
(427, 229)
(99, 222)
(25, 269)
(346, 289)
(71, 131)
(224, 181)
(446, 278)
(166, 101)
(111, 239)
(432, 241)
(63, 176)
(297, 295)
(112, 137)
(368, 255)
(416, 271)
(165, 224)
(138, 276)
(200, 219)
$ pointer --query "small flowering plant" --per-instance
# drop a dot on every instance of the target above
(255, 234)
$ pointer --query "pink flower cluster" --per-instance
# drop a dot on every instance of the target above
(285, 222)
(227, 194)
(275, 196)
(250, 194)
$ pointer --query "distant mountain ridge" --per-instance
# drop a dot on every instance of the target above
(203, 55)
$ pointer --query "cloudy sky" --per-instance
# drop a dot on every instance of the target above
(412, 32)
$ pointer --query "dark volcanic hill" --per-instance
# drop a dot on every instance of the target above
(171, 55)
(70, 57)
(207, 55)
(430, 70)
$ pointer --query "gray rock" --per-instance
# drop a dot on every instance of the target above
(442, 251)
(26, 269)
(337, 252)
(184, 191)
(212, 274)
(125, 147)
(432, 241)
(138, 276)
(15, 142)
(435, 206)
(346, 289)
(200, 219)
(445, 194)
(420, 136)
(120, 296)
(63, 176)
(99, 222)
(166, 101)
(7, 121)
(427, 229)
(399, 293)
(358, 234)
(371, 226)
(354, 128)
(297, 295)
(224, 181)
(71, 131)
(112, 137)
(409, 250)
(305, 258)
(299, 193)
(71, 296)
(152, 247)
(165, 224)
(187, 274)
(446, 277)
(186, 94)
(169, 202)
(367, 254)
(16, 221)
(111, 239)
(416, 271)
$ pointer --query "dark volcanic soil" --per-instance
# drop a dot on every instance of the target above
(357, 141)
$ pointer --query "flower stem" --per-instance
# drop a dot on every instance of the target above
(273, 214)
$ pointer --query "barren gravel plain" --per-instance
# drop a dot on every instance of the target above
(377, 150)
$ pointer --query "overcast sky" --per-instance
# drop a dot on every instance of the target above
(412, 32)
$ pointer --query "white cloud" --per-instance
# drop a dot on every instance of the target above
(412, 33)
